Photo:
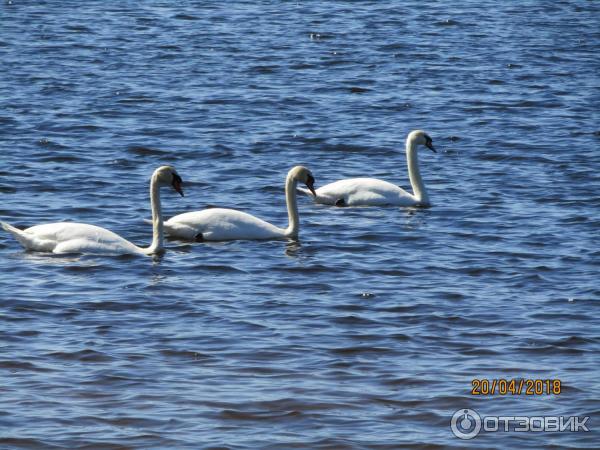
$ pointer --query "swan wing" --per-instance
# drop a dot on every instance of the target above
(363, 192)
(68, 237)
(220, 224)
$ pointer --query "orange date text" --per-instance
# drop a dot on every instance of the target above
(515, 386)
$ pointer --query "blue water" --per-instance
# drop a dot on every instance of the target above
(367, 332)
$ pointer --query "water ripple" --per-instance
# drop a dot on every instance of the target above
(367, 331)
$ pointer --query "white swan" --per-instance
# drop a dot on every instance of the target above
(219, 224)
(374, 192)
(67, 237)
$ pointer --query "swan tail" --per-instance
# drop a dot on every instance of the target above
(28, 240)
(305, 191)
(167, 226)
(24, 239)
(181, 231)
(319, 198)
(316, 198)
(178, 230)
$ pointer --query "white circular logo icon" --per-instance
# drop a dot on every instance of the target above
(465, 424)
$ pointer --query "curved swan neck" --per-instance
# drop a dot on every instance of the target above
(292, 206)
(157, 222)
(414, 173)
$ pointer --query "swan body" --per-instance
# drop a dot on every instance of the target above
(375, 192)
(69, 237)
(220, 224)
(363, 192)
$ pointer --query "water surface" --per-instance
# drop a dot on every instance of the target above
(367, 332)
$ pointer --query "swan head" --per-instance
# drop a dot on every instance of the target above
(419, 137)
(168, 176)
(303, 175)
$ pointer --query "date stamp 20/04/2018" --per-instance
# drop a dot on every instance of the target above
(515, 386)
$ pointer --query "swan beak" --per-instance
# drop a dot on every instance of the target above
(177, 187)
(310, 184)
(429, 145)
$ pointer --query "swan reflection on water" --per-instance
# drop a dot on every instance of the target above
(293, 248)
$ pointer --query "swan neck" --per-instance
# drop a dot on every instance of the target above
(157, 222)
(292, 207)
(418, 187)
